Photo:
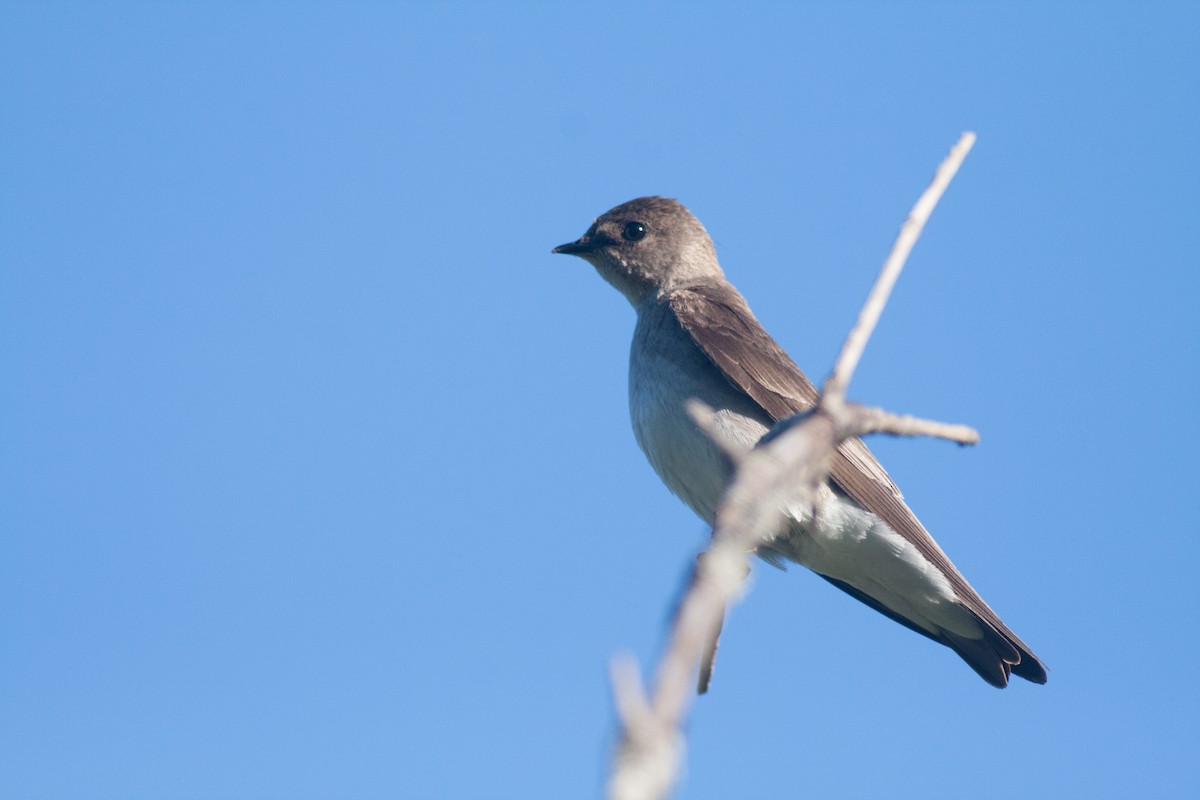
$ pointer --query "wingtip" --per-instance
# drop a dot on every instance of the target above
(1031, 669)
(992, 660)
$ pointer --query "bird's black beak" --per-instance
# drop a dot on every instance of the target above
(576, 248)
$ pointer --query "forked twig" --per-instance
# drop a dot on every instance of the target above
(787, 467)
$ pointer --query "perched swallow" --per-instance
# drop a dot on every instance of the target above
(697, 338)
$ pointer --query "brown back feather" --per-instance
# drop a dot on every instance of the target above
(722, 325)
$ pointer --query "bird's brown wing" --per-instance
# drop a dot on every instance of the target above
(722, 325)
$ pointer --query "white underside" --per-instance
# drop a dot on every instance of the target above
(845, 542)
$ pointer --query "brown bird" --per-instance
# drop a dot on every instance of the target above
(697, 338)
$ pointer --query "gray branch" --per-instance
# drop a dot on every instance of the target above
(788, 466)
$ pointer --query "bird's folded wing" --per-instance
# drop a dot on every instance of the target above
(722, 325)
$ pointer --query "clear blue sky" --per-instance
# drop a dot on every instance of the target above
(316, 476)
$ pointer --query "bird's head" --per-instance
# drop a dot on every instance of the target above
(647, 246)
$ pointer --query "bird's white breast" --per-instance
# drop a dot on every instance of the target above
(666, 369)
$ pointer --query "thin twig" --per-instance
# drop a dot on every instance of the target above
(787, 467)
(876, 420)
(856, 342)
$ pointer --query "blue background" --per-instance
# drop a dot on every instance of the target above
(316, 476)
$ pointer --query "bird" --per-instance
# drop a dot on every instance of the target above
(696, 337)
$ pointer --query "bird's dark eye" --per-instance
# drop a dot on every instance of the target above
(634, 232)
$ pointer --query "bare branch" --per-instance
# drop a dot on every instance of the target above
(876, 420)
(786, 468)
(649, 752)
(856, 342)
(766, 480)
